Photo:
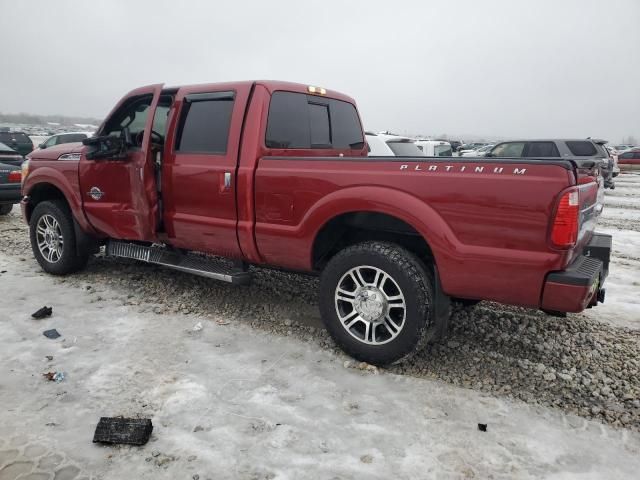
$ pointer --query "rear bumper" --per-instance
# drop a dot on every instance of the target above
(10, 193)
(580, 286)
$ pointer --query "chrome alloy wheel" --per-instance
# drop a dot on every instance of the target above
(370, 305)
(49, 238)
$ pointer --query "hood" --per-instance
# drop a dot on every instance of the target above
(52, 153)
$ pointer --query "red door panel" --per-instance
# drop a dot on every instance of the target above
(199, 187)
(119, 196)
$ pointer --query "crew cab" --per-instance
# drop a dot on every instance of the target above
(214, 179)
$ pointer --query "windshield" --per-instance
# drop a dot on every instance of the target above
(405, 149)
(442, 150)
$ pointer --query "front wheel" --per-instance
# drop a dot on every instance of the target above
(376, 300)
(53, 239)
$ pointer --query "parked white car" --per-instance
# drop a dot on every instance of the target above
(387, 145)
(377, 146)
(480, 152)
(62, 138)
(435, 148)
(470, 147)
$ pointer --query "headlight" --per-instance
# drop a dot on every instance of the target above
(25, 170)
(69, 156)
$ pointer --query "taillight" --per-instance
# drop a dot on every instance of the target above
(15, 176)
(566, 223)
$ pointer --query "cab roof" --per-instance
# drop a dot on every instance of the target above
(272, 86)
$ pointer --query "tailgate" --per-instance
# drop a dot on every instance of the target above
(590, 185)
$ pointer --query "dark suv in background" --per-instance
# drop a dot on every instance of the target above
(584, 148)
(18, 141)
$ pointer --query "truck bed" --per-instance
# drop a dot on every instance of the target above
(483, 216)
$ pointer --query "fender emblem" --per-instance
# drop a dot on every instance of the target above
(96, 193)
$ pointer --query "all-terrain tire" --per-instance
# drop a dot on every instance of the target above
(413, 281)
(5, 209)
(68, 261)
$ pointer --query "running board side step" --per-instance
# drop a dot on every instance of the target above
(210, 267)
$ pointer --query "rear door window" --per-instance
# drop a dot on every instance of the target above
(204, 123)
(510, 149)
(542, 149)
(582, 148)
(300, 121)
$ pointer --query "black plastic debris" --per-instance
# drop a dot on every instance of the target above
(482, 427)
(42, 313)
(52, 334)
(132, 431)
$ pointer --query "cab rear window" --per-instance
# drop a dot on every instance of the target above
(300, 121)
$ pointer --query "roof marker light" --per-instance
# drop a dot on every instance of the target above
(318, 90)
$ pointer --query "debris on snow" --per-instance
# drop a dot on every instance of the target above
(52, 334)
(197, 327)
(42, 313)
(132, 431)
(482, 427)
(54, 376)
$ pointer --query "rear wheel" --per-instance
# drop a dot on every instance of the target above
(53, 239)
(5, 209)
(376, 301)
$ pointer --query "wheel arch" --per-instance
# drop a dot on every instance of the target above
(46, 183)
(349, 228)
(41, 192)
(402, 216)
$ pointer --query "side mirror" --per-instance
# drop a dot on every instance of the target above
(105, 147)
(43, 145)
(489, 154)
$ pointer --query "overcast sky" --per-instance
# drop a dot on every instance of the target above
(526, 68)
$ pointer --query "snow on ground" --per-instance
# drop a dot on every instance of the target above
(231, 402)
(621, 213)
(622, 303)
(622, 201)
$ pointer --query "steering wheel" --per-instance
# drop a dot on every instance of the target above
(158, 137)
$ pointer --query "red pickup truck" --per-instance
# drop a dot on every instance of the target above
(212, 179)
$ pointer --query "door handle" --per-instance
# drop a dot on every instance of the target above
(227, 180)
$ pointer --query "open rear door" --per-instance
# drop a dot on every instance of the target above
(119, 194)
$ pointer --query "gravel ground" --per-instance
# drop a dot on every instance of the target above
(578, 364)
